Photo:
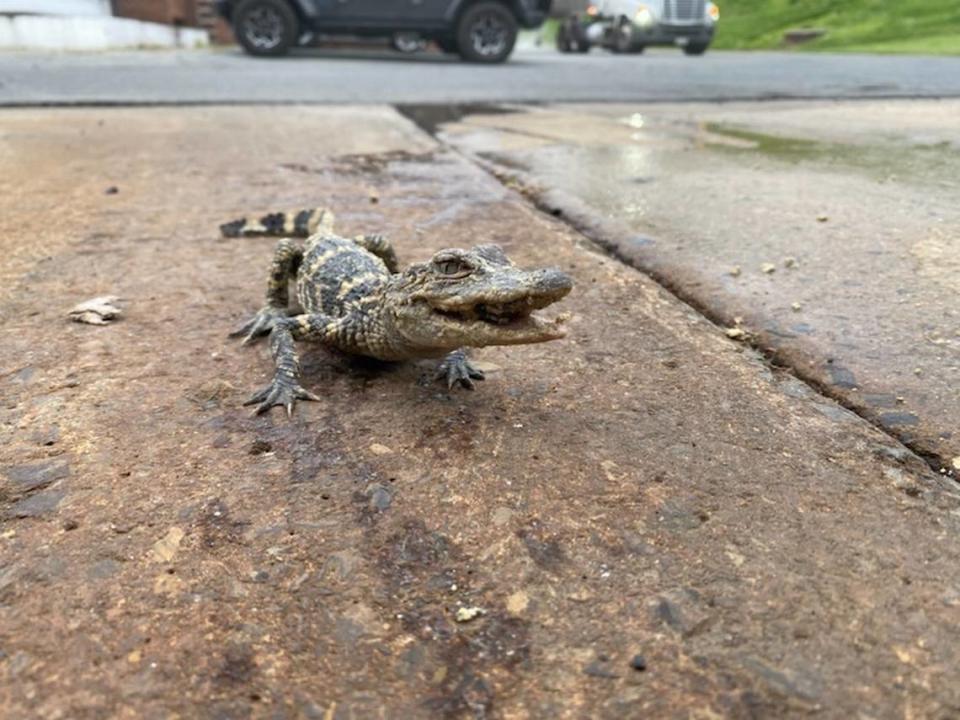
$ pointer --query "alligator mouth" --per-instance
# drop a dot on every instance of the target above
(502, 313)
(514, 315)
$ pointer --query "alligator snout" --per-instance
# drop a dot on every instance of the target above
(552, 282)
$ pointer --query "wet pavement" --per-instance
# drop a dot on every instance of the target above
(532, 75)
(642, 520)
(827, 233)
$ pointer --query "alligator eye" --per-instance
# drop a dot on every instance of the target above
(453, 268)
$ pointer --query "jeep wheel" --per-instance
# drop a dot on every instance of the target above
(696, 48)
(407, 43)
(486, 33)
(266, 28)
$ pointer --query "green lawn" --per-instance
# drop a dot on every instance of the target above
(905, 26)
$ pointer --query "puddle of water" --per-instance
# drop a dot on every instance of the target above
(936, 162)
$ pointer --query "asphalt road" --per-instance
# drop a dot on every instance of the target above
(533, 75)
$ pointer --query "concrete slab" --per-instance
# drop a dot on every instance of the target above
(828, 229)
(652, 522)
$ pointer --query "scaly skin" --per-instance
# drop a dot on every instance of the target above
(355, 299)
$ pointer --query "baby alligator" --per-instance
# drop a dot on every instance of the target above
(354, 298)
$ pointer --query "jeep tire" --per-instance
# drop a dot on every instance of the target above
(486, 33)
(266, 28)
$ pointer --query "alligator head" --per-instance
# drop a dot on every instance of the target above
(474, 298)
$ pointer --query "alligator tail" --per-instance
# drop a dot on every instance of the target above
(303, 223)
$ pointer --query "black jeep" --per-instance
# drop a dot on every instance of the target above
(479, 30)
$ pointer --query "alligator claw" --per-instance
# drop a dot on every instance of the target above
(260, 324)
(279, 392)
(457, 370)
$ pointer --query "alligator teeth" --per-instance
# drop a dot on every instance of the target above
(499, 314)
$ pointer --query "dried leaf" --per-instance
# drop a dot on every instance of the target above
(97, 311)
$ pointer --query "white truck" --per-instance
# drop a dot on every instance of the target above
(629, 26)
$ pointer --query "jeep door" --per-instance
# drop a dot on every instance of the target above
(390, 14)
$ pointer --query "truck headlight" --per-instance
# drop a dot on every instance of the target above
(644, 16)
(713, 11)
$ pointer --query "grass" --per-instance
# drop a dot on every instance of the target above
(893, 26)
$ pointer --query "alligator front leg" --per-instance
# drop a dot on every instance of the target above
(283, 269)
(456, 368)
(285, 387)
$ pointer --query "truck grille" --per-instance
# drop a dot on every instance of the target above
(683, 12)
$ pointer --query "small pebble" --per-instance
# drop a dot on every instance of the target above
(112, 190)
(768, 268)
(466, 614)
(70, 524)
(790, 262)
(796, 307)
(638, 663)
(596, 669)
(735, 271)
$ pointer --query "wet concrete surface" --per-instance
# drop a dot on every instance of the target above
(643, 520)
(532, 75)
(824, 232)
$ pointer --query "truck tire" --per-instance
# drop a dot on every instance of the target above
(563, 39)
(265, 28)
(696, 48)
(486, 33)
(578, 36)
(623, 38)
(571, 37)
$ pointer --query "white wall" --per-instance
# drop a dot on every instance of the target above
(39, 32)
(56, 7)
